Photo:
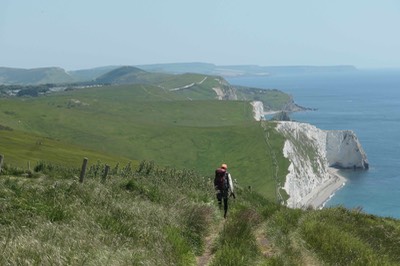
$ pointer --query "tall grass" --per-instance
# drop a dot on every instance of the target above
(351, 237)
(237, 244)
(334, 236)
(151, 216)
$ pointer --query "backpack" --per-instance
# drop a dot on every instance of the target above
(221, 181)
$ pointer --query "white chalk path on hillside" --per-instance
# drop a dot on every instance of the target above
(189, 85)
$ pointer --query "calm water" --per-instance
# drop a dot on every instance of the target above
(367, 102)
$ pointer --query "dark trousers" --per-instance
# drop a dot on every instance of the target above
(223, 196)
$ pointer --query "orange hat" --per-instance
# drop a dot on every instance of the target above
(224, 166)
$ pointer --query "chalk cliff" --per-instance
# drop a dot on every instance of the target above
(258, 110)
(343, 150)
(312, 152)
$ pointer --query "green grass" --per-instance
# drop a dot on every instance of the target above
(271, 98)
(128, 219)
(161, 216)
(21, 149)
(138, 122)
(360, 238)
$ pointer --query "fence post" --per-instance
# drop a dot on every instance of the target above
(83, 171)
(1, 161)
(106, 170)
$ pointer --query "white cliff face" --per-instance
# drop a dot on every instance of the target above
(311, 152)
(258, 110)
(344, 150)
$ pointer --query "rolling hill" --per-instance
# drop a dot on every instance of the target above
(130, 75)
(10, 76)
(141, 73)
(84, 75)
(176, 121)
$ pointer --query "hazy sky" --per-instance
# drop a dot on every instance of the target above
(77, 34)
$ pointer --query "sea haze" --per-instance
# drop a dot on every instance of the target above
(365, 101)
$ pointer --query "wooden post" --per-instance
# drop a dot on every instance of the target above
(83, 171)
(106, 170)
(1, 161)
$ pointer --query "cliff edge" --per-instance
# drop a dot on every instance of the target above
(313, 153)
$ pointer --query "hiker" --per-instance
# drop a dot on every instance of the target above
(224, 186)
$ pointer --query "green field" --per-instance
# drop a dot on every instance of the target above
(141, 122)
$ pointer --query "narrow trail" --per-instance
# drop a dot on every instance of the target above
(189, 85)
(207, 255)
(262, 241)
(274, 163)
(263, 244)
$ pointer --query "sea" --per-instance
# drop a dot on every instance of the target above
(365, 101)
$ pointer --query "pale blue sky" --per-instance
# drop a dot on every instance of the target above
(77, 34)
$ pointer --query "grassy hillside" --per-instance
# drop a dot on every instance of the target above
(90, 74)
(22, 149)
(151, 215)
(34, 76)
(272, 99)
(130, 75)
(144, 122)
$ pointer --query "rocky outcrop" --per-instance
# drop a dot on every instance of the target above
(225, 91)
(259, 110)
(311, 152)
(291, 106)
(343, 150)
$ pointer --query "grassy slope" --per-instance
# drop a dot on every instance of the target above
(272, 99)
(34, 76)
(20, 149)
(146, 122)
(161, 216)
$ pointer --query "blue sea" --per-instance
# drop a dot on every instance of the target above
(365, 101)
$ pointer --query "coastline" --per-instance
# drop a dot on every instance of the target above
(321, 194)
(258, 110)
(317, 198)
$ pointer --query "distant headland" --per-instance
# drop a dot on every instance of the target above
(56, 75)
